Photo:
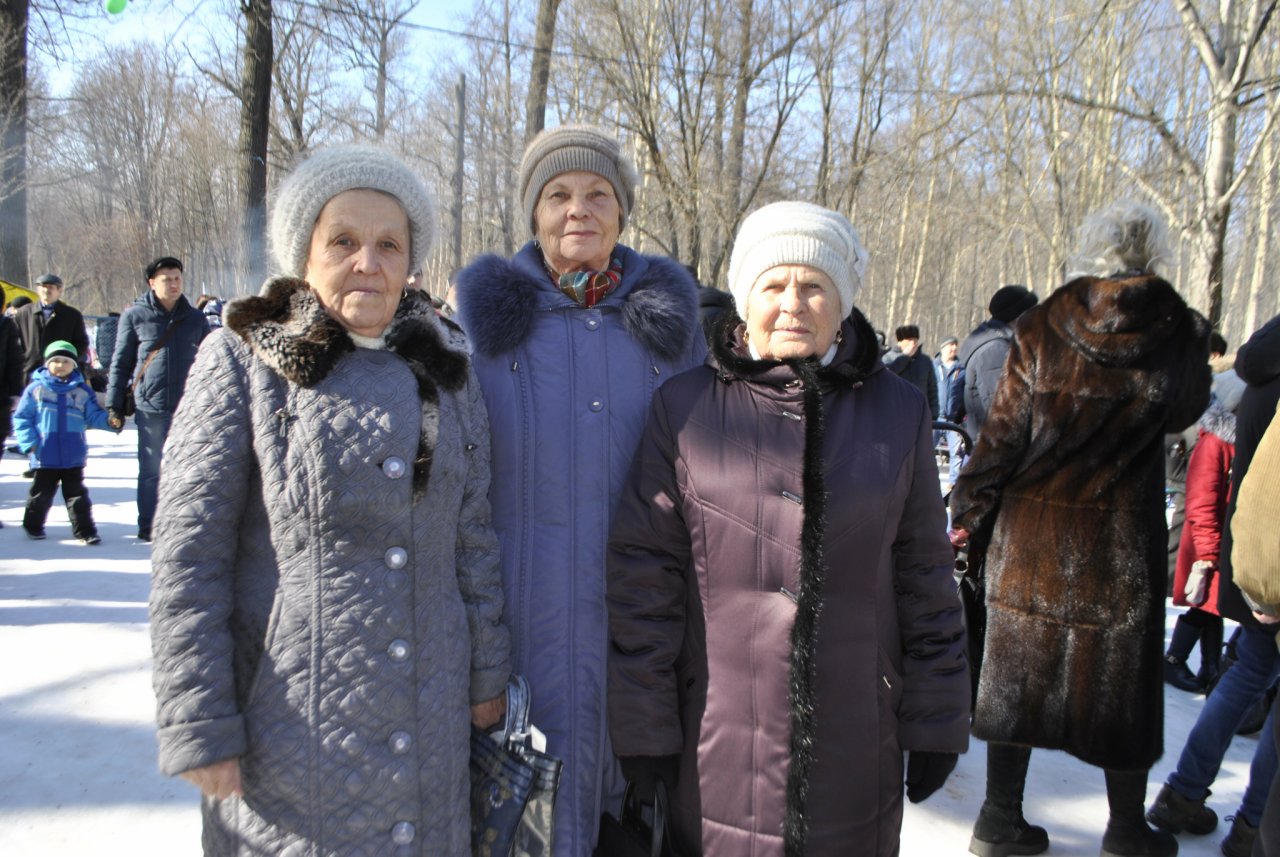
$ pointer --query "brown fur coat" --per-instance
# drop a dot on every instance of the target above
(1068, 474)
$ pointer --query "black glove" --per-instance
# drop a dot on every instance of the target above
(926, 772)
(643, 772)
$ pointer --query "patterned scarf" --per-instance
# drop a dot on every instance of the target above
(590, 287)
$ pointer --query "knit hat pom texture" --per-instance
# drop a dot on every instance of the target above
(331, 171)
(797, 233)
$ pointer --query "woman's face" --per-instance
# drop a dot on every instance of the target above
(793, 311)
(577, 221)
(359, 259)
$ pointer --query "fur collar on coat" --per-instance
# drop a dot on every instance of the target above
(856, 359)
(288, 330)
(499, 299)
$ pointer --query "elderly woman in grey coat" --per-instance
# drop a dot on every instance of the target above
(326, 602)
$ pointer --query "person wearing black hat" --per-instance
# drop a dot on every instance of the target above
(46, 321)
(156, 343)
(909, 362)
(984, 350)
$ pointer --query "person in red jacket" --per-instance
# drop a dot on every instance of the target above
(1195, 581)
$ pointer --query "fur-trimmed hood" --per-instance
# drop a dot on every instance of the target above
(288, 330)
(1116, 321)
(497, 299)
(1219, 421)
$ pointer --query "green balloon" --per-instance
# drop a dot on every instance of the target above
(115, 7)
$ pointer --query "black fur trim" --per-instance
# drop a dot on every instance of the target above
(804, 633)
(288, 329)
(498, 303)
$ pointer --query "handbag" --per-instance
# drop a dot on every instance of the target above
(130, 404)
(629, 835)
(513, 786)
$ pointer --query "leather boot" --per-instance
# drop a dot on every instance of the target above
(1001, 830)
(1210, 653)
(1186, 633)
(1174, 812)
(1127, 833)
(1239, 841)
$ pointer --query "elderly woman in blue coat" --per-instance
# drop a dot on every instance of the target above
(570, 339)
(325, 608)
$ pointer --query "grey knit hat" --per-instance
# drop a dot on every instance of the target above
(327, 173)
(797, 233)
(573, 148)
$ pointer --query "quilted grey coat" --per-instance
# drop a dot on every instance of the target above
(326, 601)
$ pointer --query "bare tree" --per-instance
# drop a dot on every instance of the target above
(370, 35)
(13, 140)
(535, 109)
(255, 123)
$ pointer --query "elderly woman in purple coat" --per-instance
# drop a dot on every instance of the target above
(783, 617)
(571, 338)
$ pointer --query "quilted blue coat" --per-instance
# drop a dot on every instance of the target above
(567, 390)
(325, 596)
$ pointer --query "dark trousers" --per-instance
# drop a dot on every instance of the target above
(1268, 842)
(153, 429)
(43, 488)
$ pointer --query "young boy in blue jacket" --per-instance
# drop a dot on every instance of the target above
(50, 422)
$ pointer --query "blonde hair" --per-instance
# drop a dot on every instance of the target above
(1124, 236)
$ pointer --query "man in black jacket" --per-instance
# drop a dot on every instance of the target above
(48, 321)
(984, 351)
(156, 343)
(912, 364)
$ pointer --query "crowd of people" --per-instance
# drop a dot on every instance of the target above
(705, 525)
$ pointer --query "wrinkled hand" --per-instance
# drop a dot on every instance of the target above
(220, 780)
(926, 772)
(114, 419)
(959, 537)
(486, 714)
(643, 772)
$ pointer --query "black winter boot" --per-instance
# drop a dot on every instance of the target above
(1174, 812)
(1001, 830)
(1186, 632)
(1127, 833)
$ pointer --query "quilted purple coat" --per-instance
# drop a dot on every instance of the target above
(782, 608)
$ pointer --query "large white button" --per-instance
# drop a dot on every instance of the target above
(396, 557)
(398, 650)
(593, 323)
(402, 833)
(400, 743)
(597, 406)
(394, 467)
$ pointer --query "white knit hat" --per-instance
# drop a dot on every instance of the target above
(797, 233)
(327, 173)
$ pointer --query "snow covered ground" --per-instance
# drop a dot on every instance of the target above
(77, 749)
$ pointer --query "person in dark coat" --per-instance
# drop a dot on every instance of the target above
(11, 386)
(782, 614)
(163, 322)
(325, 600)
(983, 352)
(570, 338)
(1068, 474)
(47, 321)
(909, 361)
(1181, 804)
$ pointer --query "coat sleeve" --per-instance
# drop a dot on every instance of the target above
(986, 368)
(478, 560)
(95, 416)
(647, 562)
(934, 712)
(123, 360)
(1258, 360)
(204, 488)
(1000, 448)
(25, 424)
(1208, 483)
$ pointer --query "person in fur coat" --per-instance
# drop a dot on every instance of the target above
(325, 606)
(1068, 478)
(783, 617)
(1208, 488)
(570, 338)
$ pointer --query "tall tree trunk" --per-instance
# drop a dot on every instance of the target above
(459, 155)
(13, 141)
(255, 115)
(535, 105)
